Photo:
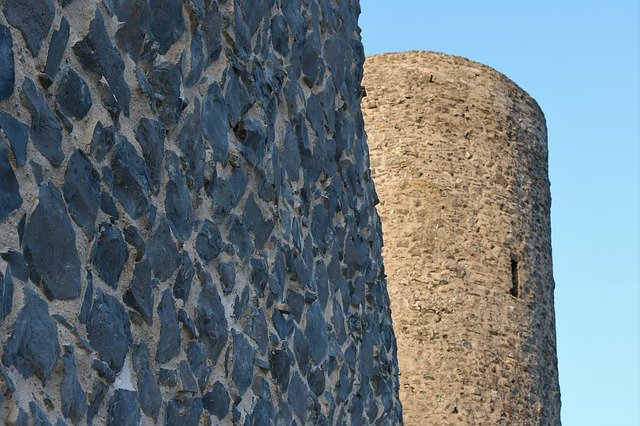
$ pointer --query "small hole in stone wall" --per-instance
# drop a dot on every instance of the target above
(515, 281)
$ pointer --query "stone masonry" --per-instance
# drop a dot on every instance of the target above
(459, 158)
(187, 224)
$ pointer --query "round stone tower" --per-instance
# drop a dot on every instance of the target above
(459, 159)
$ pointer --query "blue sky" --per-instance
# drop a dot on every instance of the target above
(579, 60)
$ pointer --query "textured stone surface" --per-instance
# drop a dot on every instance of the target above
(7, 67)
(187, 218)
(459, 157)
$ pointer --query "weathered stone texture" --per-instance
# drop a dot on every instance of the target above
(187, 224)
(459, 158)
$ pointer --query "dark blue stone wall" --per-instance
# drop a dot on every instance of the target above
(188, 231)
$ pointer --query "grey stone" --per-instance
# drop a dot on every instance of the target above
(302, 351)
(239, 237)
(215, 122)
(165, 78)
(33, 324)
(74, 400)
(133, 237)
(130, 179)
(168, 377)
(82, 191)
(18, 134)
(23, 418)
(295, 302)
(98, 393)
(39, 417)
(46, 131)
(182, 285)
(108, 329)
(123, 409)
(57, 47)
(197, 358)
(98, 55)
(139, 295)
(10, 199)
(108, 206)
(149, 395)
(72, 94)
(227, 272)
(243, 356)
(178, 205)
(297, 397)
(135, 16)
(197, 59)
(237, 97)
(316, 381)
(192, 149)
(188, 324)
(254, 220)
(189, 384)
(226, 193)
(6, 294)
(33, 19)
(211, 320)
(316, 332)
(217, 401)
(280, 362)
(50, 248)
(258, 330)
(7, 70)
(162, 251)
(167, 23)
(183, 412)
(104, 371)
(102, 141)
(150, 135)
(169, 345)
(109, 254)
(18, 265)
(208, 241)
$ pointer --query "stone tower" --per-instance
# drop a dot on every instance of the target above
(188, 231)
(459, 159)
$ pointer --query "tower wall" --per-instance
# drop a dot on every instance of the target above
(459, 159)
(187, 224)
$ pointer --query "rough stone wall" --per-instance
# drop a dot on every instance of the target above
(187, 223)
(459, 158)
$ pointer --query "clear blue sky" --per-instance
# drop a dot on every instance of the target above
(579, 60)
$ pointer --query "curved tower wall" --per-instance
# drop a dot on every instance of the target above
(459, 159)
(187, 223)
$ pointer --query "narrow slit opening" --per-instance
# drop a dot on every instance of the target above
(515, 282)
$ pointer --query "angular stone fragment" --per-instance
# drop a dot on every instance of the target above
(297, 397)
(33, 324)
(74, 400)
(123, 409)
(7, 70)
(178, 206)
(98, 393)
(168, 377)
(162, 251)
(6, 294)
(98, 55)
(184, 412)
(211, 320)
(18, 134)
(226, 193)
(149, 395)
(10, 199)
(72, 94)
(208, 241)
(169, 345)
(32, 18)
(130, 180)
(39, 417)
(227, 272)
(280, 362)
(316, 332)
(108, 329)
(150, 135)
(57, 47)
(197, 60)
(197, 358)
(167, 23)
(135, 17)
(139, 296)
(109, 254)
(243, 357)
(46, 131)
(82, 191)
(192, 148)
(254, 220)
(102, 141)
(238, 235)
(182, 286)
(214, 122)
(108, 206)
(189, 384)
(217, 401)
(166, 79)
(50, 247)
